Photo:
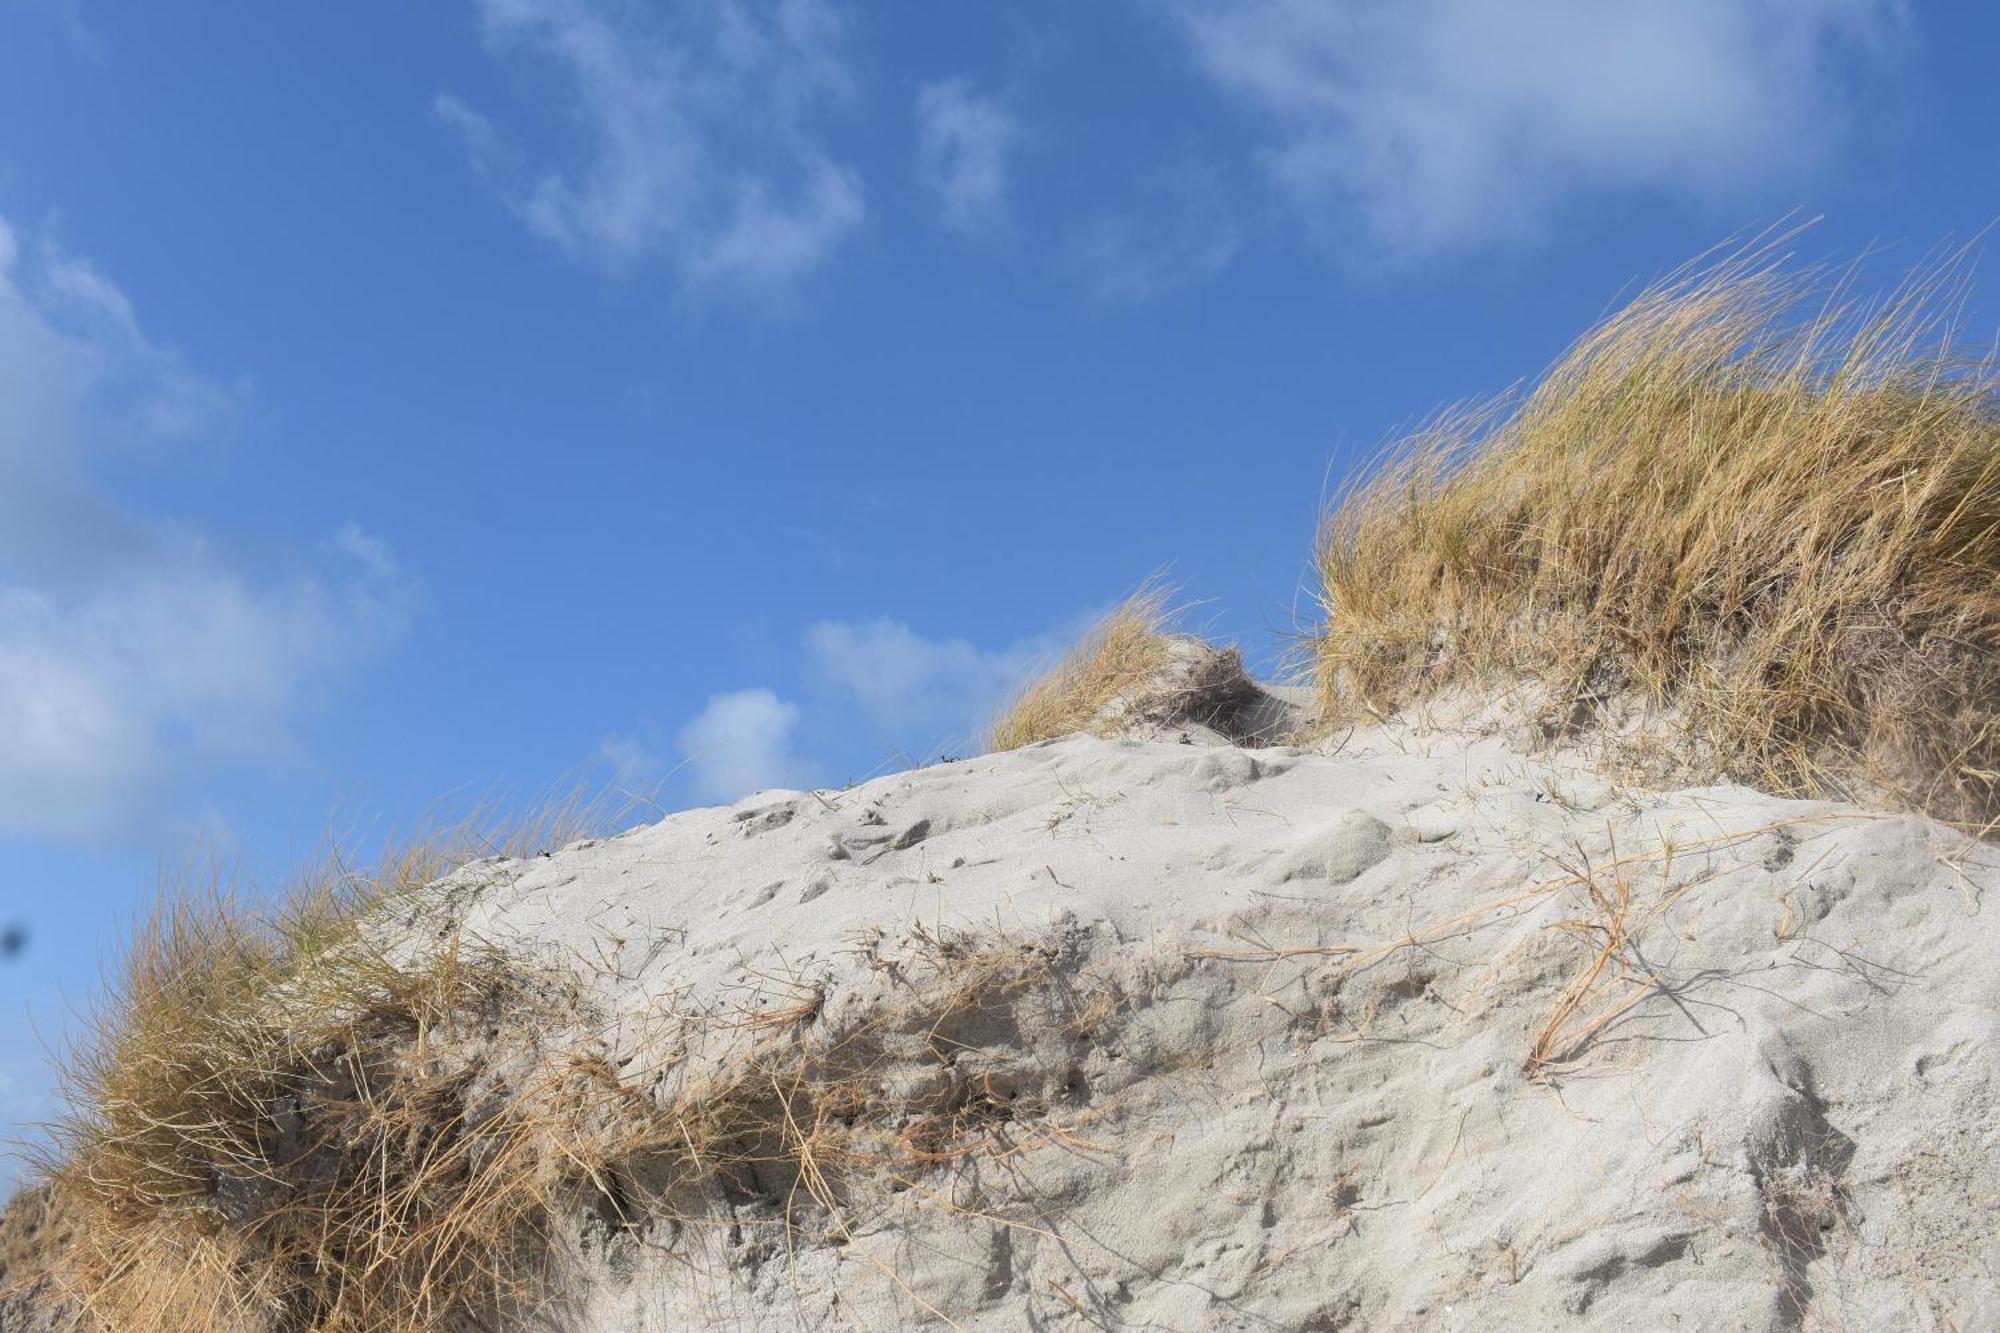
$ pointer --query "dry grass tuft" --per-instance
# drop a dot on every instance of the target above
(344, 1115)
(1760, 519)
(284, 1121)
(1115, 660)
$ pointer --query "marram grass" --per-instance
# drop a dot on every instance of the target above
(1115, 658)
(350, 1117)
(1754, 521)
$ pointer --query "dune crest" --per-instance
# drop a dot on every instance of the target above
(1169, 1032)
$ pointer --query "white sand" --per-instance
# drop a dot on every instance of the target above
(1794, 1128)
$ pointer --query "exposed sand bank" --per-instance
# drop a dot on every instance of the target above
(1406, 1032)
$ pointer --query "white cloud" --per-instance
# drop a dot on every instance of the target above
(964, 141)
(1183, 232)
(80, 383)
(108, 692)
(921, 695)
(630, 762)
(741, 743)
(876, 690)
(1446, 123)
(697, 125)
(136, 651)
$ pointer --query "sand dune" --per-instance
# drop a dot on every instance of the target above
(1405, 1031)
(1356, 1066)
(1151, 1021)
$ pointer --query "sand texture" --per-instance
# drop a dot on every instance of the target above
(1406, 1032)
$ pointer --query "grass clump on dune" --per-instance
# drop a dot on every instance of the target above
(1765, 518)
(1115, 659)
(343, 1115)
(284, 1122)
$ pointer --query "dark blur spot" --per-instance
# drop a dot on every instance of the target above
(13, 940)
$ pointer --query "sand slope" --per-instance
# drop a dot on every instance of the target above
(1321, 1043)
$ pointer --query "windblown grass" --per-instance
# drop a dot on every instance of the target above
(1752, 520)
(1116, 659)
(346, 1115)
(283, 1120)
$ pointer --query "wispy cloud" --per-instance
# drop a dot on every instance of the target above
(629, 762)
(134, 651)
(922, 696)
(68, 14)
(1181, 230)
(965, 142)
(742, 742)
(1432, 124)
(695, 134)
(869, 693)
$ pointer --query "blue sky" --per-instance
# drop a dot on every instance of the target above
(406, 400)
